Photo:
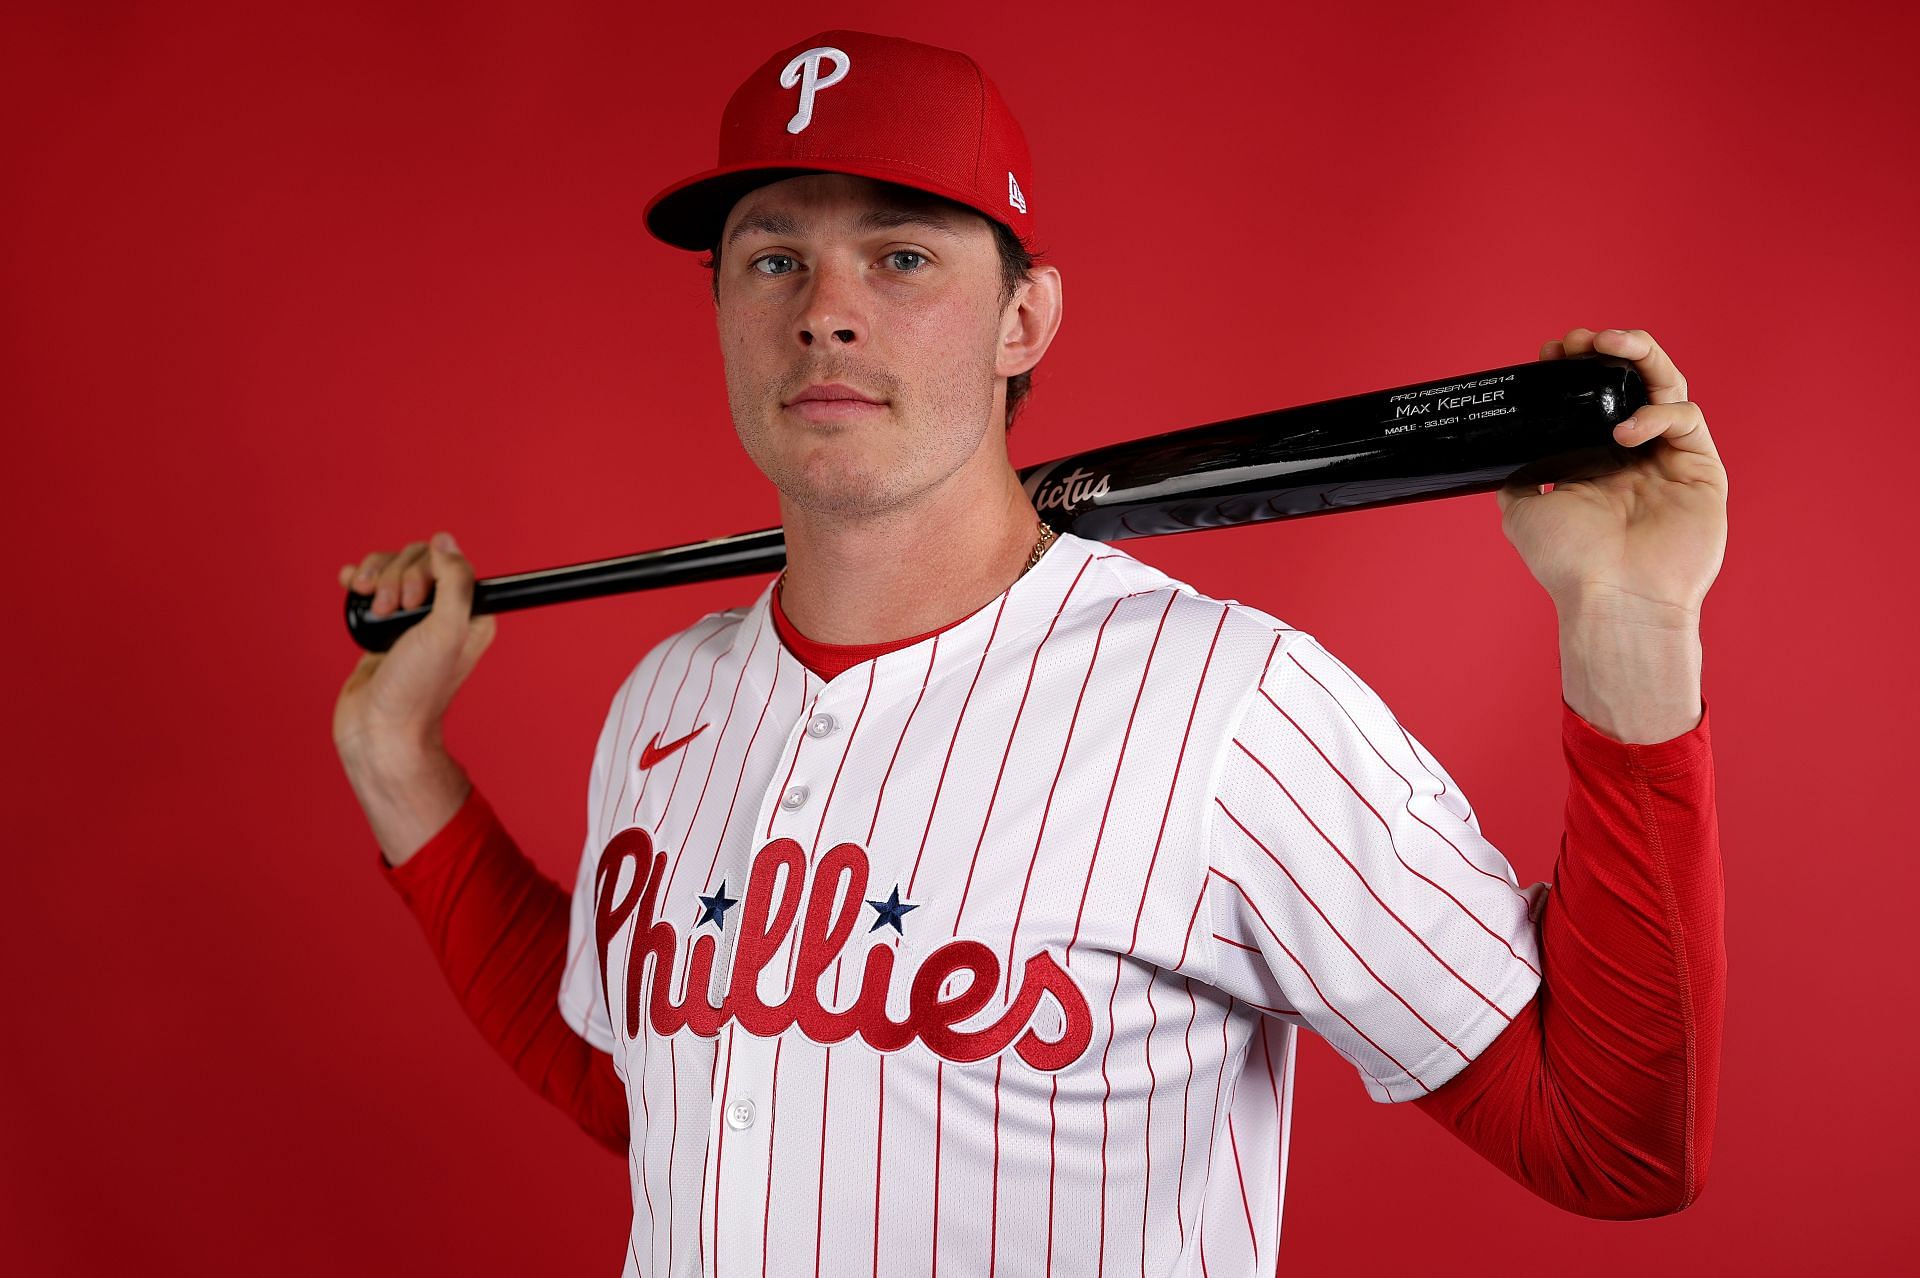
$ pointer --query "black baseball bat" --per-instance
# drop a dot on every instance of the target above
(1550, 421)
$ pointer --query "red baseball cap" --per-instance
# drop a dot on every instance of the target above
(853, 102)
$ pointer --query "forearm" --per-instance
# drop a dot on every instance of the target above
(1631, 668)
(1601, 1097)
(406, 793)
(498, 928)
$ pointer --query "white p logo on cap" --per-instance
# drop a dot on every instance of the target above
(804, 71)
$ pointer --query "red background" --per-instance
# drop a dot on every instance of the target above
(276, 290)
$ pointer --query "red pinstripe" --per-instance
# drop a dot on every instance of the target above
(1253, 1241)
(1146, 1132)
(1100, 1265)
(1421, 757)
(820, 1193)
(1052, 1131)
(719, 1154)
(879, 1148)
(1391, 841)
(1186, 1115)
(1199, 899)
(993, 1225)
(1336, 931)
(1348, 862)
(673, 1142)
(939, 1105)
(773, 1116)
(1316, 985)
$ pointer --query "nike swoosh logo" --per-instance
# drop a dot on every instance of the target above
(654, 751)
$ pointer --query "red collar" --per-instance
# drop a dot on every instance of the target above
(829, 660)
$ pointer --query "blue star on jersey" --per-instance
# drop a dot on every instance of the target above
(716, 907)
(890, 910)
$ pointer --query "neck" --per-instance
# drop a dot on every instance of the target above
(878, 576)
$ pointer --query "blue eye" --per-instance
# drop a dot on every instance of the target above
(771, 257)
(908, 253)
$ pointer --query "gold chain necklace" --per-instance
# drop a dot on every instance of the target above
(1047, 535)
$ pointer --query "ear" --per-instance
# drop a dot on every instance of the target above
(1027, 325)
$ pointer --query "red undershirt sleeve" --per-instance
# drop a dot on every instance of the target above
(1600, 1096)
(499, 930)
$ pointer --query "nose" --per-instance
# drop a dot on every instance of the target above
(833, 309)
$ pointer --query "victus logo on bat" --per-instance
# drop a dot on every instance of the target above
(768, 911)
(1068, 492)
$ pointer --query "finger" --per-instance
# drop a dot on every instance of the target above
(369, 571)
(416, 578)
(1555, 349)
(386, 590)
(1665, 385)
(346, 575)
(1577, 342)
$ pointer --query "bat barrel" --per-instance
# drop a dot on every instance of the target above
(1548, 421)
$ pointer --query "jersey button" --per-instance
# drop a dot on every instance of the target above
(821, 725)
(793, 798)
(740, 1115)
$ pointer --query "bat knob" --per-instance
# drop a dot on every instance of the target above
(378, 634)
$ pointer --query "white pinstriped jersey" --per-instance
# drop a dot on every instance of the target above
(989, 955)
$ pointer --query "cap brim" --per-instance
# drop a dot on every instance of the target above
(690, 213)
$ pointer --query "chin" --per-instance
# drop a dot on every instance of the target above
(840, 490)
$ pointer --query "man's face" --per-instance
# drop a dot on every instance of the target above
(832, 278)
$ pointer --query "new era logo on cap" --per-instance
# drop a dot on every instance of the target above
(917, 115)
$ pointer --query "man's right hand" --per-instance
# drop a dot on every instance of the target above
(386, 721)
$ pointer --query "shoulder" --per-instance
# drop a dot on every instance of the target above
(714, 627)
(1241, 640)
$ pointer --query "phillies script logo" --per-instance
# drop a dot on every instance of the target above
(764, 928)
(1070, 491)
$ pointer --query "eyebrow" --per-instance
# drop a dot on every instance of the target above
(880, 219)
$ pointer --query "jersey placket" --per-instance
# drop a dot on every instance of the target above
(743, 1110)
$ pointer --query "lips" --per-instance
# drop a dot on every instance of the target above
(832, 392)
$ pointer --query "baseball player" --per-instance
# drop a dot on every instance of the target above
(955, 904)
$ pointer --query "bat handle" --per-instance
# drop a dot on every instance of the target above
(741, 554)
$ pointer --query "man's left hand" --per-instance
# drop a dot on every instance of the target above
(1646, 539)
